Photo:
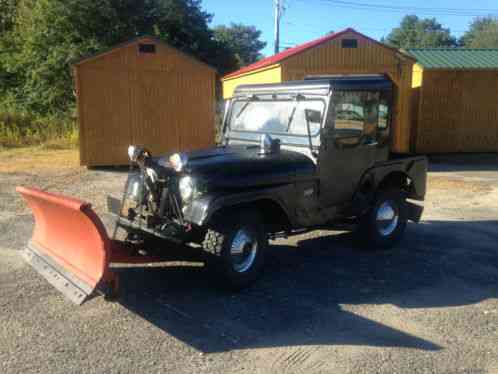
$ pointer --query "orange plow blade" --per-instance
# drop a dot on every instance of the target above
(70, 246)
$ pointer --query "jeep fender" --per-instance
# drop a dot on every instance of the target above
(414, 168)
(200, 211)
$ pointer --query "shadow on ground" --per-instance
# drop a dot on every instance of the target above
(298, 300)
(463, 162)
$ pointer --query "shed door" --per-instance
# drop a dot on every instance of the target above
(106, 125)
(156, 110)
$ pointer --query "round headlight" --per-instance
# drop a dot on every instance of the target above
(178, 161)
(131, 152)
(186, 187)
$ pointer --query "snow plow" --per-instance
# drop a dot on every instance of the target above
(70, 247)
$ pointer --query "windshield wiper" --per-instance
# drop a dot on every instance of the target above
(244, 107)
(291, 117)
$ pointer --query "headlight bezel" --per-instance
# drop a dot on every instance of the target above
(186, 188)
(178, 161)
(197, 185)
(137, 154)
(132, 153)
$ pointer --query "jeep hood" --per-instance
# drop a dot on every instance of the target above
(234, 166)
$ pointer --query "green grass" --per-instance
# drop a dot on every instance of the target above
(36, 159)
(21, 130)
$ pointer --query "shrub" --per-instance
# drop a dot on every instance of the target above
(20, 129)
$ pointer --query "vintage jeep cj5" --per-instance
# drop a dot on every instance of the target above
(295, 157)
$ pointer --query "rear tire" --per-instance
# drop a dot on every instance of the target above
(236, 243)
(385, 222)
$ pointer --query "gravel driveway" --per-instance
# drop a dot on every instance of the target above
(429, 305)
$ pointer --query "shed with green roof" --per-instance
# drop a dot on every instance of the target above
(455, 100)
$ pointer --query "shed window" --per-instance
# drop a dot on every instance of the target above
(349, 43)
(147, 48)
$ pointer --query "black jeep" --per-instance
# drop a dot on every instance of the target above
(295, 157)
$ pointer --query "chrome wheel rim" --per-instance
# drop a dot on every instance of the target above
(387, 218)
(243, 250)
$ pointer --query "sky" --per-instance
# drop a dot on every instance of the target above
(304, 20)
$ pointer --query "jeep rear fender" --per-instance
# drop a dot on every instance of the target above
(414, 168)
(201, 210)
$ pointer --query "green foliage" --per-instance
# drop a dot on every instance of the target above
(7, 15)
(18, 130)
(482, 33)
(8, 12)
(242, 41)
(39, 39)
(37, 51)
(414, 32)
(50, 34)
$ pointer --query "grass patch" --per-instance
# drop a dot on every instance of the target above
(36, 159)
(21, 130)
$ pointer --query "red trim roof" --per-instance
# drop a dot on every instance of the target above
(279, 57)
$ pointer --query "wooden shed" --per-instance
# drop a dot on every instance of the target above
(344, 52)
(143, 92)
(455, 100)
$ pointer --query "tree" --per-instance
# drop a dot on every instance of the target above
(242, 41)
(7, 20)
(482, 33)
(49, 34)
(414, 32)
(7, 15)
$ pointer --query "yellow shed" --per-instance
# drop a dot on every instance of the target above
(455, 100)
(344, 52)
(143, 92)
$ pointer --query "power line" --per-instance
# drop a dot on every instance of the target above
(377, 7)
(385, 29)
(421, 13)
(429, 9)
(308, 27)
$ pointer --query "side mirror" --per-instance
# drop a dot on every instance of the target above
(313, 116)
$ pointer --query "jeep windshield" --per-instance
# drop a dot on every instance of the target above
(282, 117)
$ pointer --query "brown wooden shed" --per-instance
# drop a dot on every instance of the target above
(344, 52)
(455, 100)
(143, 92)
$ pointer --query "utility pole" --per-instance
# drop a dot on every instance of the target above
(278, 9)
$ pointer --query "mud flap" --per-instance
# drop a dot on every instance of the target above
(414, 211)
(70, 246)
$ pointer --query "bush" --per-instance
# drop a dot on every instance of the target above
(19, 129)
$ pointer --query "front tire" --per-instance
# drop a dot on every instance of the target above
(385, 223)
(236, 245)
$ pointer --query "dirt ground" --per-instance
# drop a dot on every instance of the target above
(428, 306)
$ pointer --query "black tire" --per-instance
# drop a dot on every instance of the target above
(374, 233)
(218, 243)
